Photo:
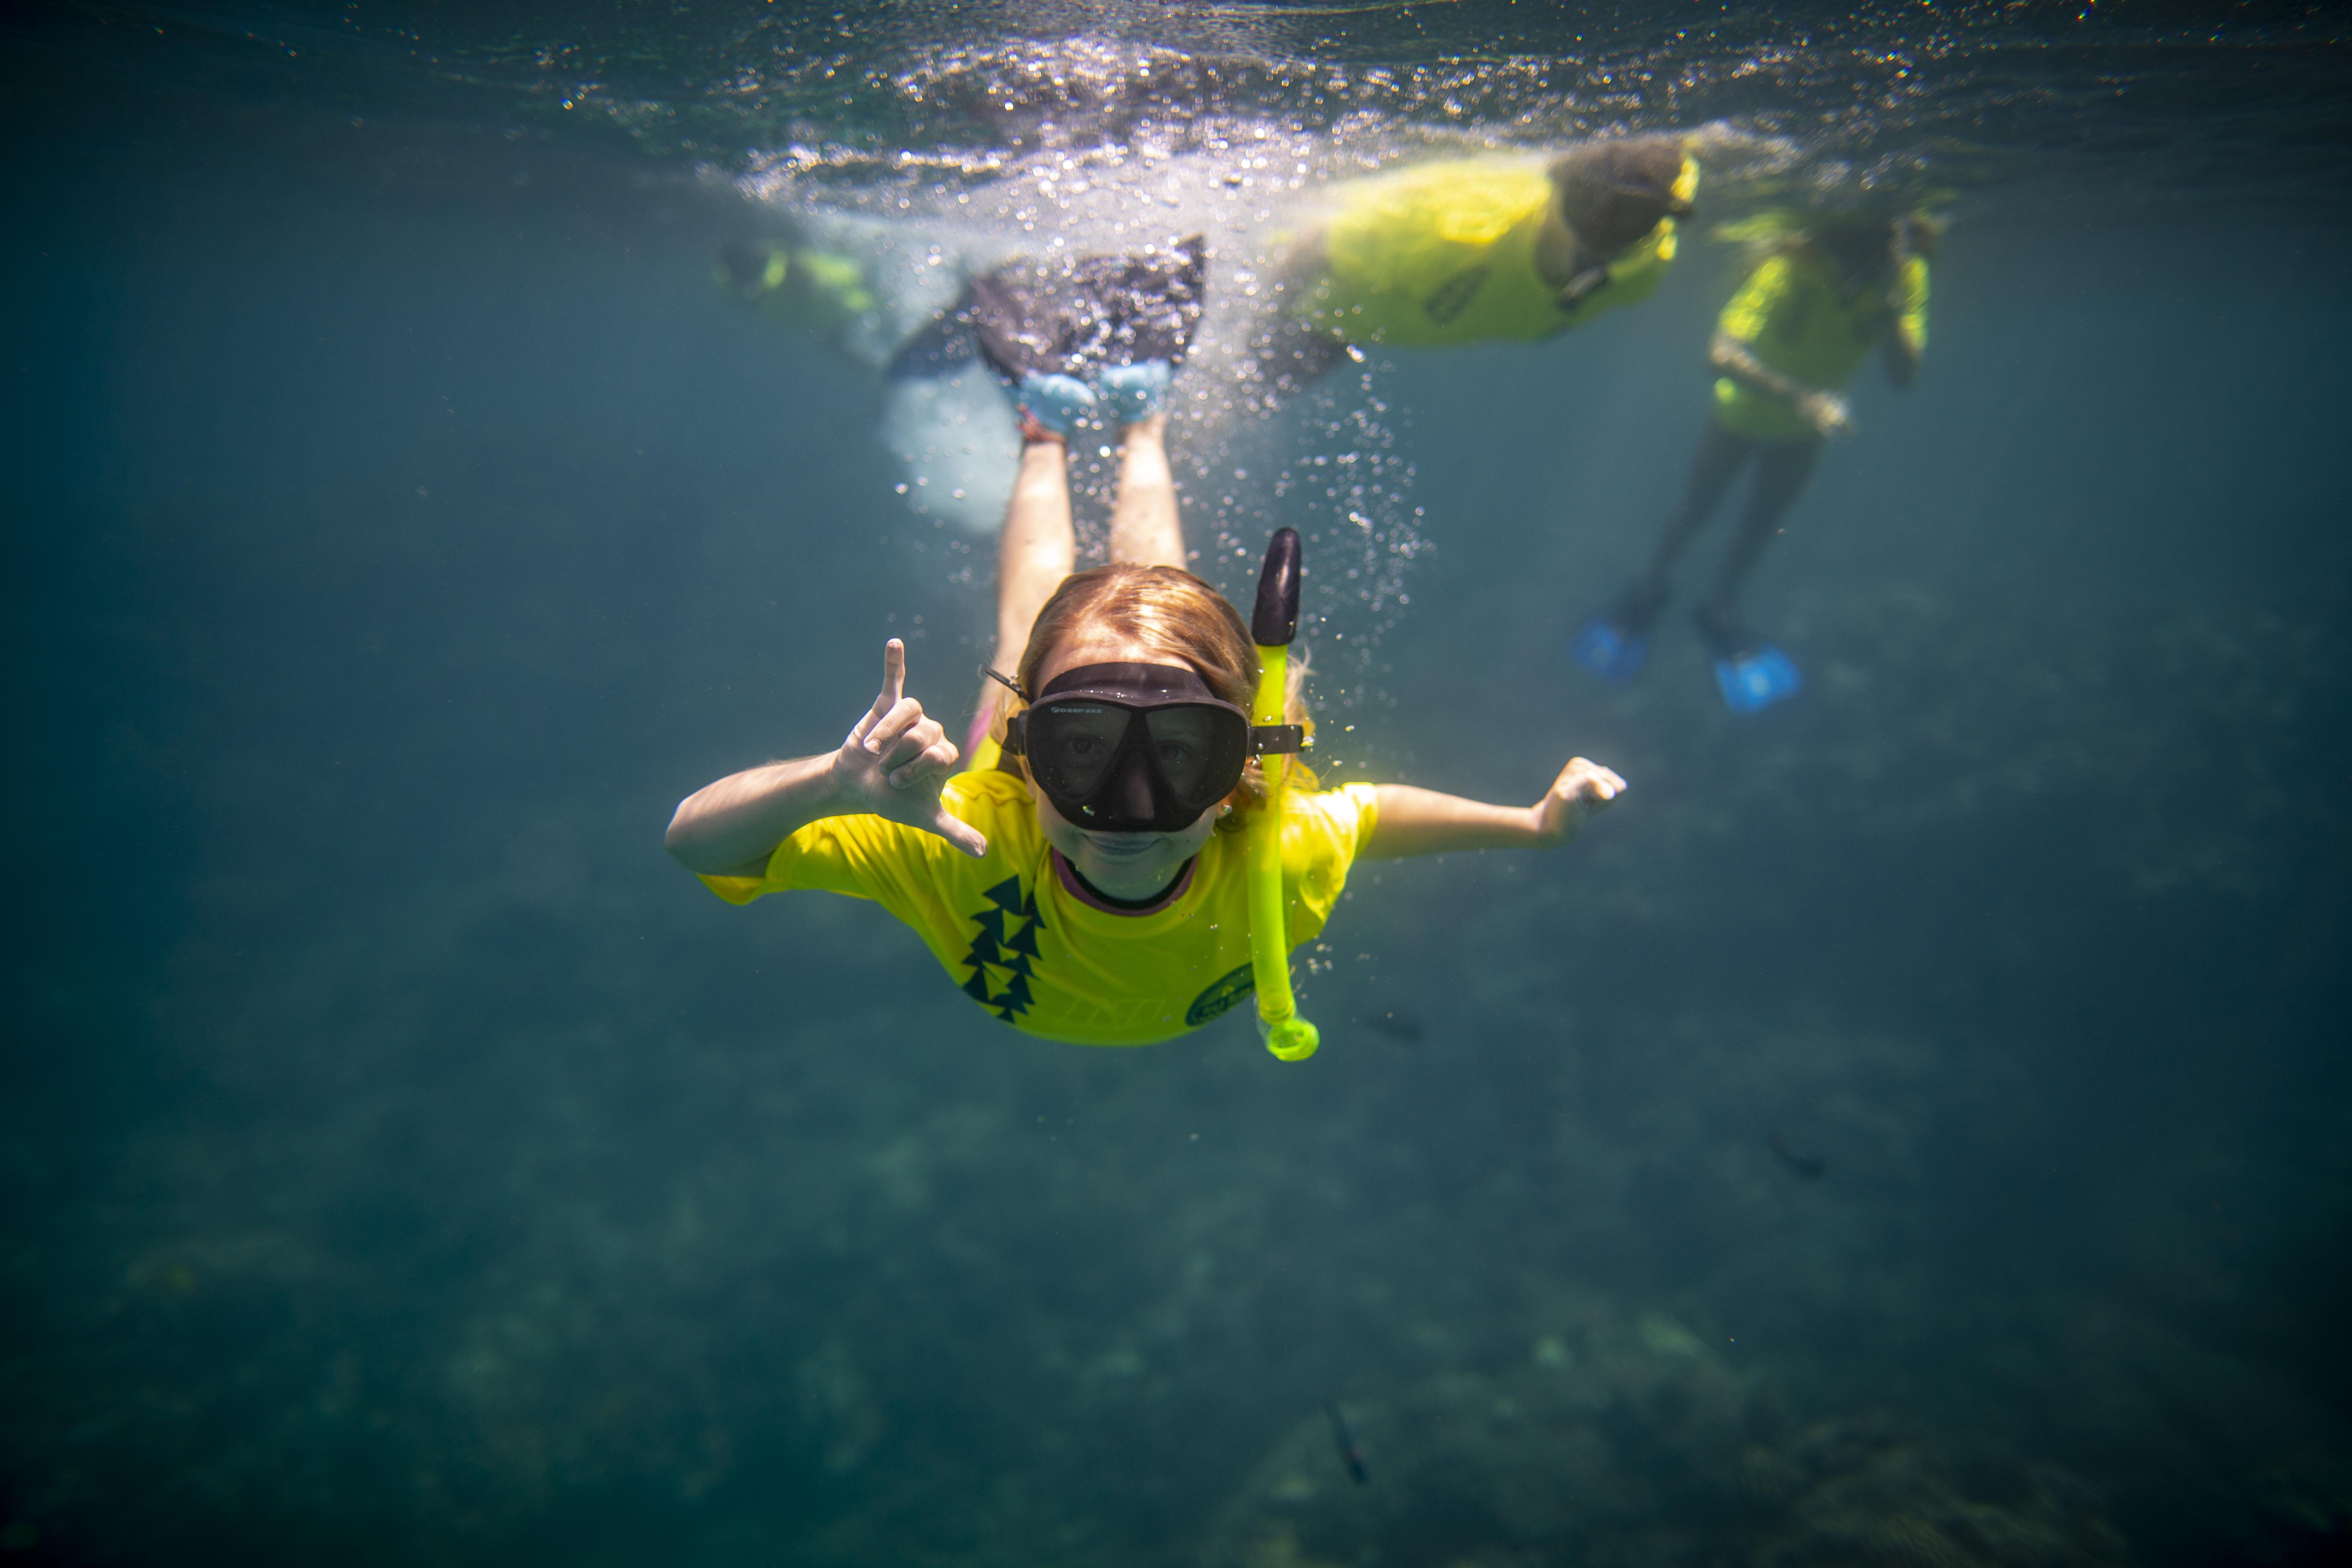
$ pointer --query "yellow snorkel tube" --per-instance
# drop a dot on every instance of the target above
(1273, 625)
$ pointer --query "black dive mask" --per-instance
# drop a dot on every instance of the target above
(1136, 748)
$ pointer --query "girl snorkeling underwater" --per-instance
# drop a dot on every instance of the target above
(1088, 875)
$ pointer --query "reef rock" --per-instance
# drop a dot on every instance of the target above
(1621, 1445)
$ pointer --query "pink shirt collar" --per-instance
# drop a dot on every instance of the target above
(1078, 890)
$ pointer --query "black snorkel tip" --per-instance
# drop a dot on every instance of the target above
(1275, 621)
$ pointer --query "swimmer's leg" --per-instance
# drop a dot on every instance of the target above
(1037, 549)
(1144, 530)
(1783, 470)
(1718, 462)
(1614, 643)
(1151, 303)
(1751, 673)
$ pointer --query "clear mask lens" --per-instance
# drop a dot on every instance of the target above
(1174, 761)
(1199, 751)
(1072, 745)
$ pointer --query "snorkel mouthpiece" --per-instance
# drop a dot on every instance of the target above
(1273, 623)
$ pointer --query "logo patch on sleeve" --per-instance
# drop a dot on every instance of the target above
(1453, 297)
(1221, 997)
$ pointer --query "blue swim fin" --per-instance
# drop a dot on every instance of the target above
(1609, 650)
(1059, 403)
(1134, 392)
(1758, 678)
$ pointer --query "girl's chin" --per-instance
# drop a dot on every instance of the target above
(1122, 849)
(1127, 875)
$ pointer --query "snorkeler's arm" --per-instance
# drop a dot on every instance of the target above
(891, 766)
(1424, 822)
(731, 828)
(1827, 412)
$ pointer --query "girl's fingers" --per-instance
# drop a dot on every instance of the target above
(891, 730)
(939, 757)
(894, 686)
(926, 746)
(1590, 780)
(962, 834)
(915, 742)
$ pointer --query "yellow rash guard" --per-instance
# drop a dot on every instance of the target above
(1790, 315)
(1445, 253)
(1026, 948)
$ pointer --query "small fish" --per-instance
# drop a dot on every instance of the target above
(1349, 1454)
(1401, 1026)
(1807, 1167)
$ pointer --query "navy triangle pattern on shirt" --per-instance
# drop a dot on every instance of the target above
(995, 947)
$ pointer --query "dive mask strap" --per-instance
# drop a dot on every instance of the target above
(1016, 731)
(1276, 740)
(1582, 287)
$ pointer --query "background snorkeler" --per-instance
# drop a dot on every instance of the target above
(1822, 293)
(1509, 246)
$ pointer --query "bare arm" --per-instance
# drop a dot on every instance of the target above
(1827, 412)
(1424, 822)
(730, 828)
(892, 765)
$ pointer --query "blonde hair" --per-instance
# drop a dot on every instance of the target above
(1179, 618)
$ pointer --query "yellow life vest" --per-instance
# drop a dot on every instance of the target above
(1791, 316)
(1445, 253)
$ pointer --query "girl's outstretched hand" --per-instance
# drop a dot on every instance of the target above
(895, 760)
(1583, 788)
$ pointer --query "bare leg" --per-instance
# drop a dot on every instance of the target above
(1144, 530)
(1036, 551)
(1781, 477)
(1038, 547)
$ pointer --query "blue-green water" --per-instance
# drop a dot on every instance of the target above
(405, 1162)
